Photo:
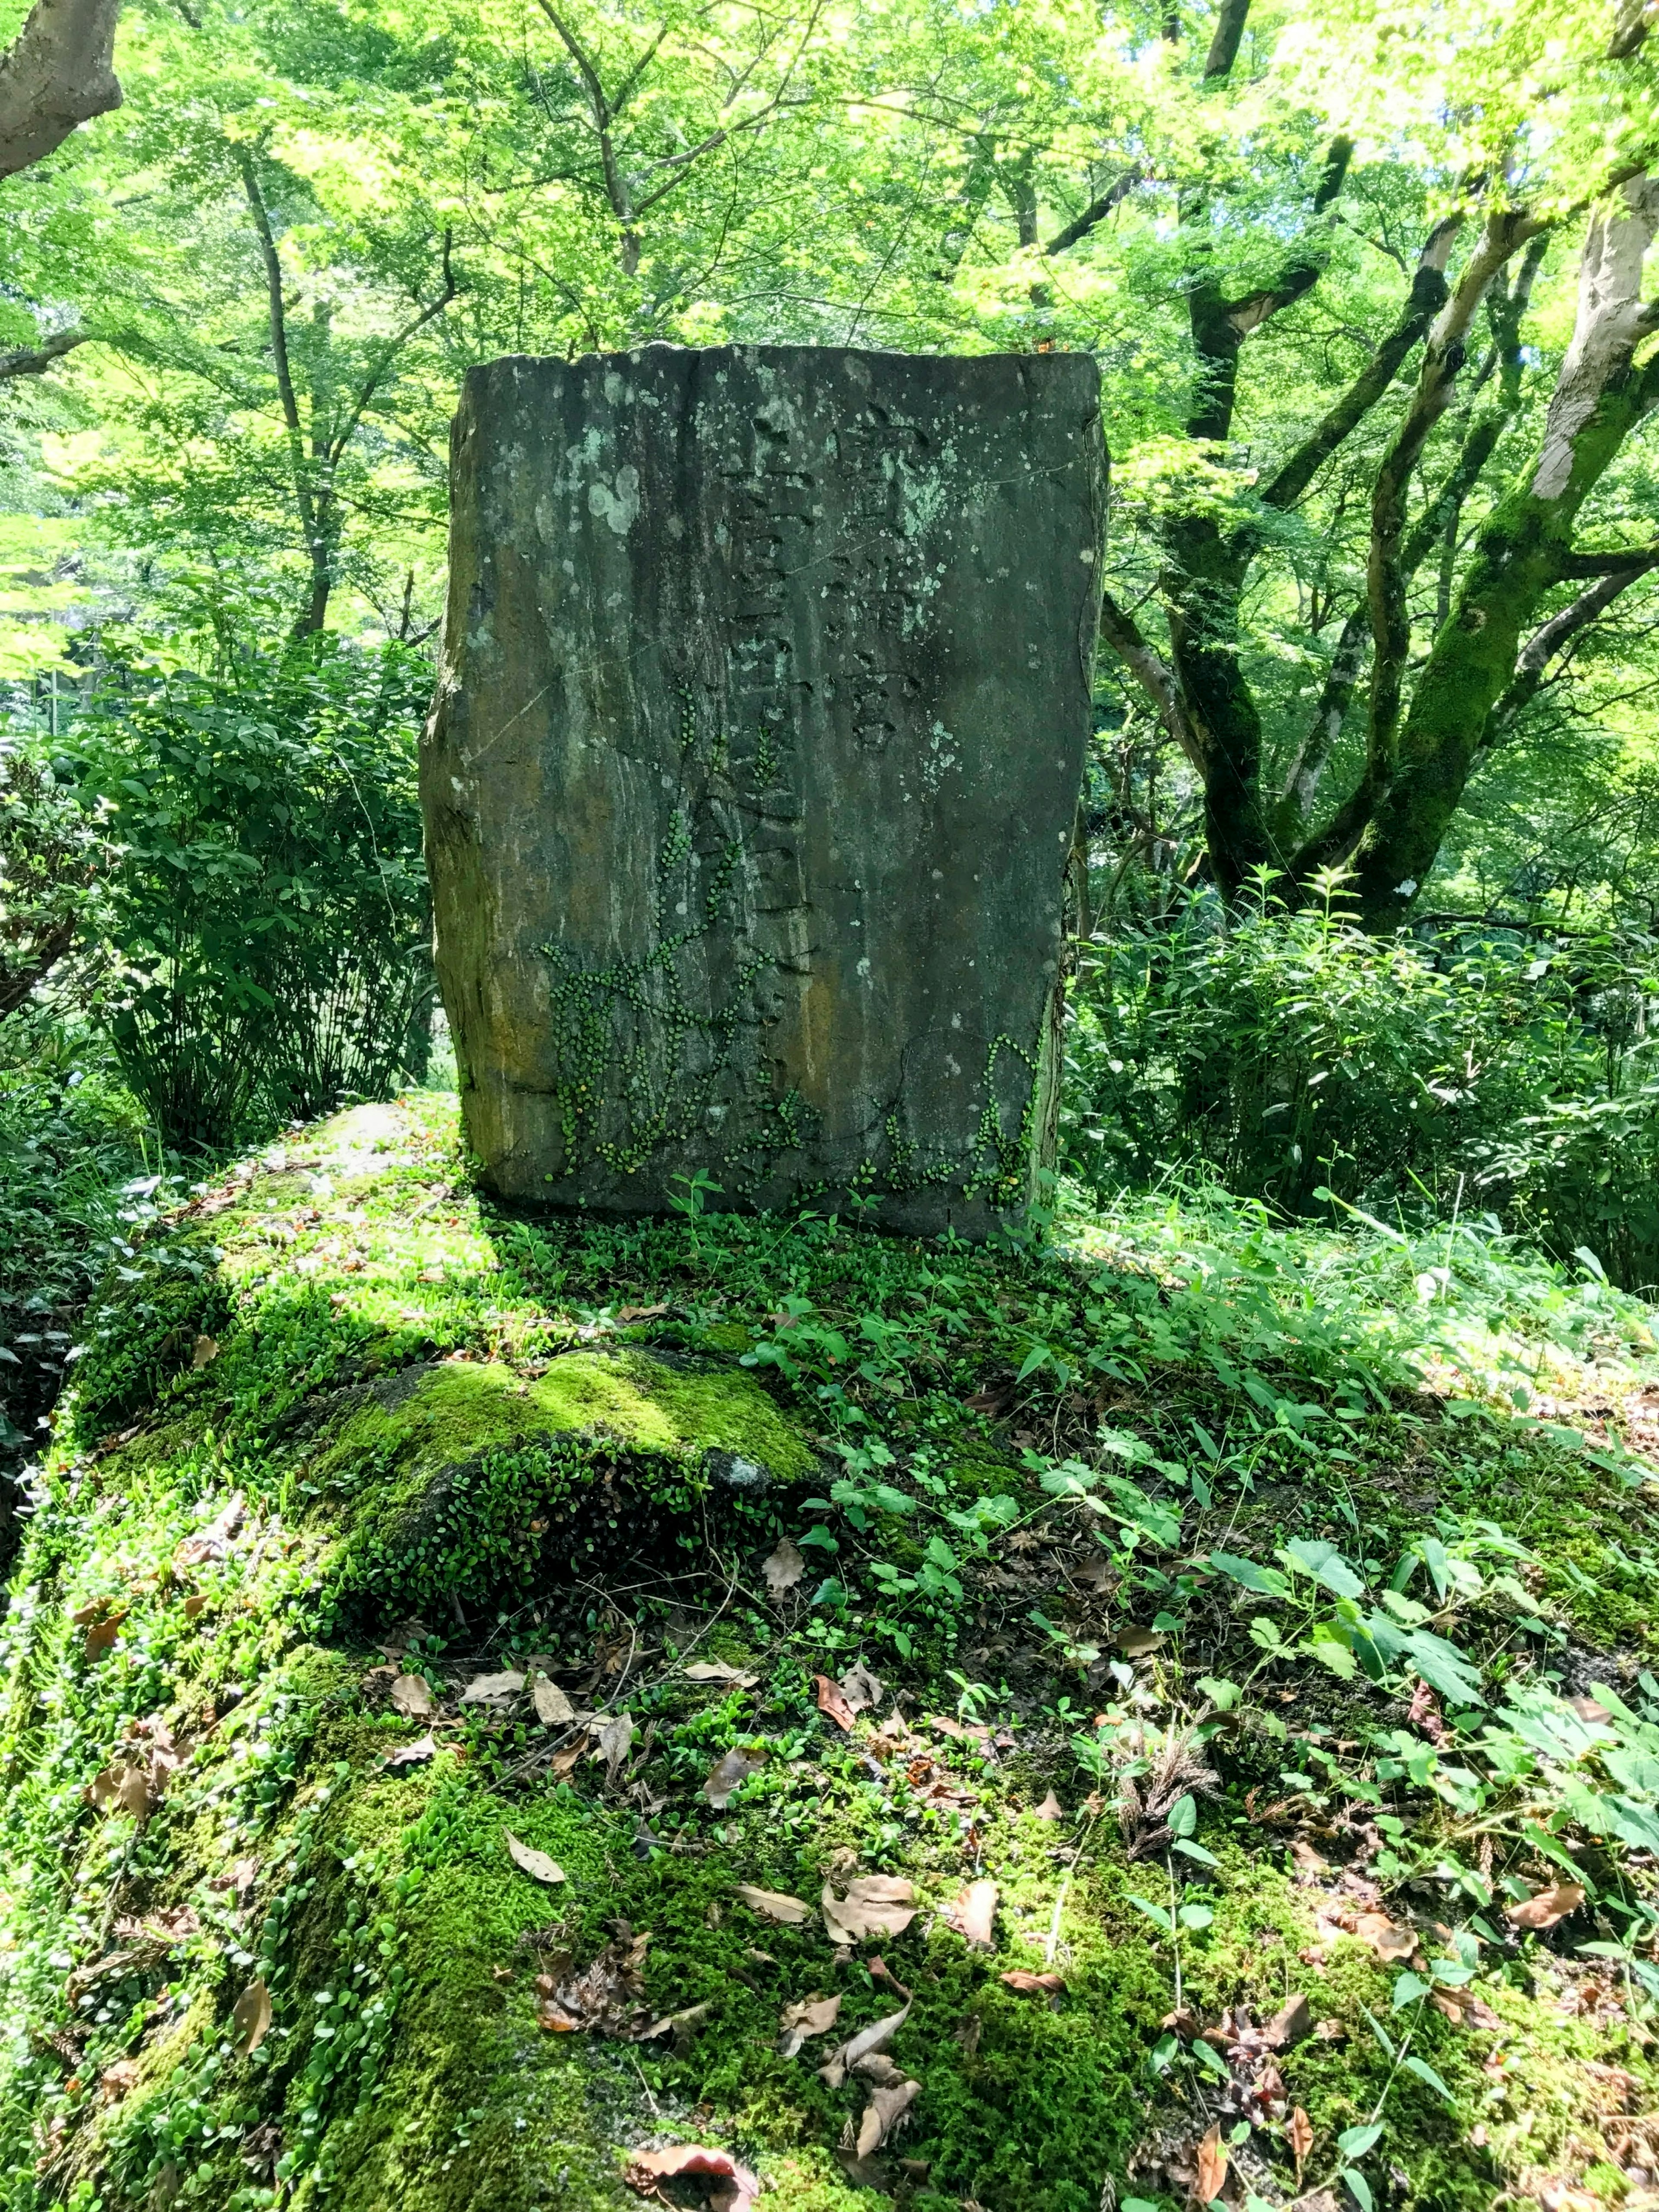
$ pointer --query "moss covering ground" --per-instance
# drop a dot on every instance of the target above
(1168, 1518)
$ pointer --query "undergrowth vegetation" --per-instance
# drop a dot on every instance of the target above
(1288, 1054)
(1165, 1708)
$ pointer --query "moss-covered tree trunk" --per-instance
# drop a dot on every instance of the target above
(1523, 550)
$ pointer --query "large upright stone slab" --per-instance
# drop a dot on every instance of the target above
(753, 770)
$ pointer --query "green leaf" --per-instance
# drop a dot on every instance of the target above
(1354, 2142)
(1326, 1564)
(1182, 1817)
(1195, 1916)
(1425, 2072)
(1337, 1657)
(1267, 1581)
(1155, 1913)
(1195, 1852)
(1361, 2188)
(1443, 1668)
(1408, 1988)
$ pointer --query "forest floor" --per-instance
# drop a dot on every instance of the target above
(494, 1704)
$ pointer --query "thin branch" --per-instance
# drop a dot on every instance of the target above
(277, 316)
(1094, 215)
(1157, 679)
(389, 352)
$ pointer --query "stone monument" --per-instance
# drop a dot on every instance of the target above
(753, 770)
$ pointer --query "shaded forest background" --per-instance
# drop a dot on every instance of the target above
(1364, 894)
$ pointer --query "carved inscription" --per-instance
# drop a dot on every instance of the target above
(767, 687)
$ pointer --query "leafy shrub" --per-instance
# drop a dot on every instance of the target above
(1583, 1175)
(72, 1144)
(1287, 1053)
(53, 854)
(270, 910)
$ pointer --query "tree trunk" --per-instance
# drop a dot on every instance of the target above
(1523, 550)
(58, 73)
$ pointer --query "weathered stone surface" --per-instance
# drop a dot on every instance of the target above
(753, 770)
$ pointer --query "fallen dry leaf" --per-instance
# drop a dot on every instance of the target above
(1308, 1859)
(868, 2040)
(875, 1905)
(534, 1862)
(114, 2081)
(733, 2188)
(250, 2019)
(1293, 2019)
(204, 1351)
(553, 1708)
(890, 2100)
(1135, 1644)
(101, 1791)
(613, 1739)
(411, 1695)
(860, 1689)
(133, 1793)
(100, 1637)
(1300, 2137)
(798, 2022)
(607, 1995)
(1049, 1809)
(716, 1670)
(678, 2025)
(728, 1775)
(775, 1904)
(1547, 1906)
(641, 1313)
(1212, 2166)
(485, 1689)
(832, 1700)
(1026, 1984)
(412, 1754)
(974, 1911)
(1390, 1942)
(784, 1567)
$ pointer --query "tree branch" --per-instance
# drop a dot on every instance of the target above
(389, 352)
(1547, 643)
(27, 362)
(1428, 295)
(1386, 572)
(1629, 561)
(58, 73)
(1095, 214)
(1156, 678)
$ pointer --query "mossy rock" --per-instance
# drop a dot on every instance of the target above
(304, 1413)
(345, 1440)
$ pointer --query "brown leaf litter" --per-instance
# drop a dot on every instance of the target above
(875, 1905)
(728, 1774)
(729, 2187)
(974, 1911)
(536, 1864)
(775, 1904)
(800, 2023)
